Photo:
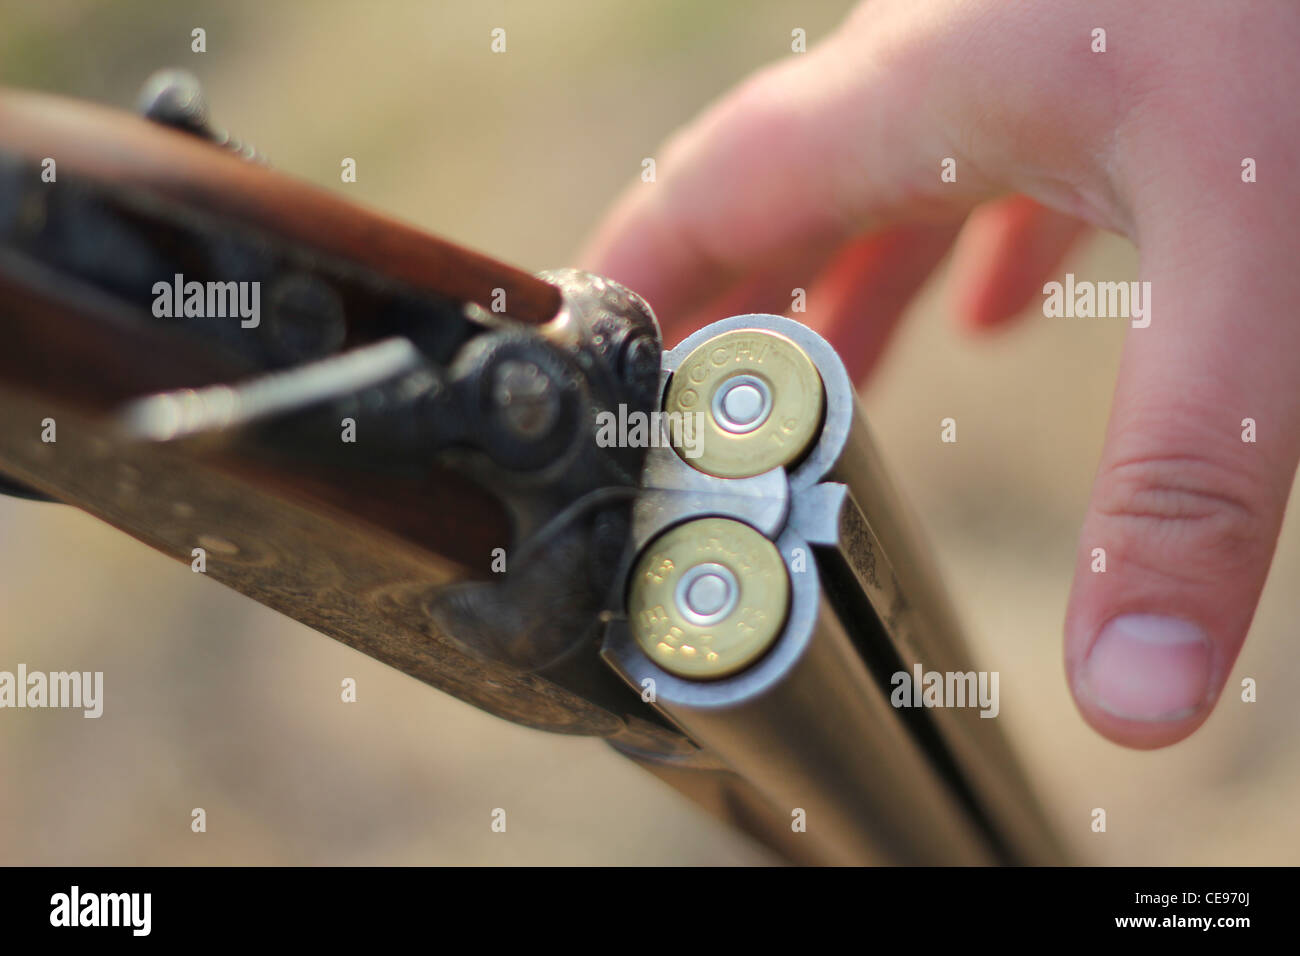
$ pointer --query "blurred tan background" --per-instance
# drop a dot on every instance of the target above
(214, 702)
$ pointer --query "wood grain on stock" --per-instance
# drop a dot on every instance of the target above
(118, 147)
(346, 578)
(353, 555)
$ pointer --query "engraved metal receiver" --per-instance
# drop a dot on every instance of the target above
(406, 446)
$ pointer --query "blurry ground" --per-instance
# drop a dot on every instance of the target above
(215, 702)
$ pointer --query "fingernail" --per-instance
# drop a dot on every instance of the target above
(1147, 667)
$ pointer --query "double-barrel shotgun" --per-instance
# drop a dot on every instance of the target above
(497, 482)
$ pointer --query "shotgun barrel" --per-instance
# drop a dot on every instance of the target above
(816, 725)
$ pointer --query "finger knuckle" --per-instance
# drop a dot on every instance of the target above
(1187, 511)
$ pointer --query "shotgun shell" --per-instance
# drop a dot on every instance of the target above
(708, 598)
(761, 400)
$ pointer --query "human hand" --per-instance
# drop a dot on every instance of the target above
(824, 171)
